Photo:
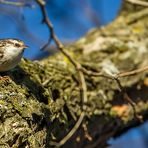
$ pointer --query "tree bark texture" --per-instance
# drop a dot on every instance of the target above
(40, 102)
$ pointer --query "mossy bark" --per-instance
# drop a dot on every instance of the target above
(40, 101)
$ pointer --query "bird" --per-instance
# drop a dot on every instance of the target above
(11, 52)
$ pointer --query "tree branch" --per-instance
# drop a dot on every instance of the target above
(82, 83)
(17, 4)
(138, 2)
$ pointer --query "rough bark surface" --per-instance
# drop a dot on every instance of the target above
(40, 101)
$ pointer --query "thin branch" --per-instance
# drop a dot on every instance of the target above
(122, 89)
(82, 83)
(133, 72)
(128, 99)
(125, 74)
(119, 75)
(18, 4)
(96, 74)
(70, 134)
(81, 71)
(138, 2)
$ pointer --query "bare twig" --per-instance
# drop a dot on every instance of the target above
(138, 2)
(119, 75)
(69, 135)
(82, 83)
(116, 78)
(133, 72)
(81, 71)
(125, 74)
(128, 99)
(96, 74)
(18, 4)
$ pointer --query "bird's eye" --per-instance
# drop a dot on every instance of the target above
(17, 45)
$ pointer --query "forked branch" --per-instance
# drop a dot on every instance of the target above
(82, 83)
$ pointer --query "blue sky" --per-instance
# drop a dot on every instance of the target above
(71, 20)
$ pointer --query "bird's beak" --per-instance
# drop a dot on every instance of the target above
(25, 46)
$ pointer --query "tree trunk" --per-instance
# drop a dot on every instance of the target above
(40, 102)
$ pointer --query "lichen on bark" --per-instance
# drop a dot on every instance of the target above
(40, 101)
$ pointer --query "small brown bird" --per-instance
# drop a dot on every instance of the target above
(11, 52)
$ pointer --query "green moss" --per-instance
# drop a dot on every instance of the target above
(42, 97)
